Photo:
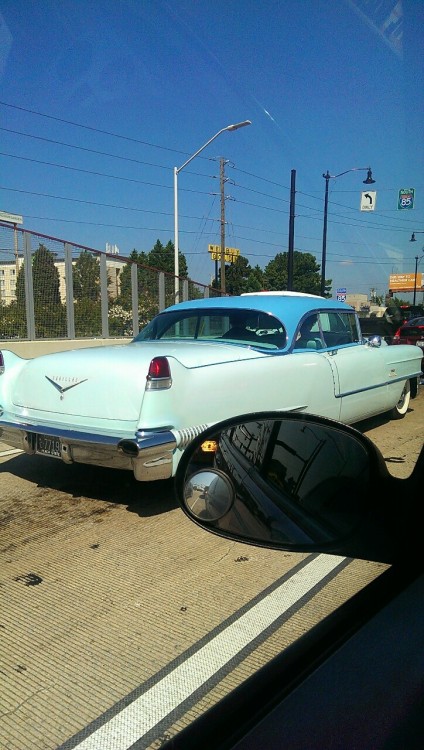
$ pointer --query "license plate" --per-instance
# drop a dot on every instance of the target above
(48, 446)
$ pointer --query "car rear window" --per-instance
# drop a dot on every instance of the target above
(245, 327)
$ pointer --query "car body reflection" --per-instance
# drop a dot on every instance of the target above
(291, 481)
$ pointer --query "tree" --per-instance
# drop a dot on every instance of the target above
(87, 318)
(255, 282)
(45, 277)
(163, 258)
(125, 294)
(12, 321)
(306, 274)
(239, 277)
(306, 277)
(398, 301)
(160, 258)
(86, 277)
(182, 263)
(50, 314)
(20, 287)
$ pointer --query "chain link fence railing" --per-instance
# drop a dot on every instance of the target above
(51, 288)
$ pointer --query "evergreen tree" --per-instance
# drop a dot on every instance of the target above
(275, 273)
(157, 258)
(20, 287)
(255, 282)
(86, 277)
(306, 276)
(306, 273)
(45, 277)
(237, 276)
(125, 294)
(182, 263)
(163, 258)
(50, 314)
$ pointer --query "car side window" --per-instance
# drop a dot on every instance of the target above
(339, 328)
(309, 334)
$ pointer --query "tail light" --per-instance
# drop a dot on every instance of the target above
(159, 374)
(397, 334)
(1, 363)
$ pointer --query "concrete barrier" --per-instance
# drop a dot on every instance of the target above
(31, 349)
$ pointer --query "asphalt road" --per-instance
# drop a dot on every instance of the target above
(121, 621)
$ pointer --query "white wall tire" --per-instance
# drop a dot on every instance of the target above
(402, 405)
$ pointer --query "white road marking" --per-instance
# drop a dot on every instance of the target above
(135, 720)
(11, 452)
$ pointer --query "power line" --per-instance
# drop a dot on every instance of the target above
(94, 203)
(96, 174)
(92, 129)
(168, 187)
(99, 153)
(83, 148)
(186, 216)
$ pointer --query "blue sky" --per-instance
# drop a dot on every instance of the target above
(99, 102)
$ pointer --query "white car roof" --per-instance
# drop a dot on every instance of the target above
(281, 294)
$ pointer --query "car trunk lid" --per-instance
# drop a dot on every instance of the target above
(106, 382)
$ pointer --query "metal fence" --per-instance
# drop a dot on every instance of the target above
(52, 288)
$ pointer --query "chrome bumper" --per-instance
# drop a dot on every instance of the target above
(149, 454)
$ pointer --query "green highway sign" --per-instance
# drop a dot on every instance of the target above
(406, 198)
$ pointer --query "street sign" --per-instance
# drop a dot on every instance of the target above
(368, 199)
(406, 198)
(341, 295)
(231, 253)
(11, 218)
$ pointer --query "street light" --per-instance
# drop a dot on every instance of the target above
(177, 170)
(327, 177)
(417, 260)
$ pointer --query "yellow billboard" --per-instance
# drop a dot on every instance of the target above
(405, 282)
(231, 253)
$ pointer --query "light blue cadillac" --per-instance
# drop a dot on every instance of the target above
(137, 406)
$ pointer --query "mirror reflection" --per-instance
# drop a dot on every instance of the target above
(292, 481)
(208, 495)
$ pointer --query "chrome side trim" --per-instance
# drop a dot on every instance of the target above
(400, 379)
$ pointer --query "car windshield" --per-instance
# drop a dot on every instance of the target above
(231, 326)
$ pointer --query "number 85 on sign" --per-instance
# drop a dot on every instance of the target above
(406, 198)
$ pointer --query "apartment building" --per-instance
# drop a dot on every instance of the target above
(9, 271)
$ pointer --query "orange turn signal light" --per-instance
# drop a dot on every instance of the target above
(209, 446)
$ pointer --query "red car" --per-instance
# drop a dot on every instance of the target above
(411, 332)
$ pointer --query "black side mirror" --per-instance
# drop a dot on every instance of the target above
(293, 482)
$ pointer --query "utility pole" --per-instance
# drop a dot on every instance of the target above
(222, 181)
(291, 231)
